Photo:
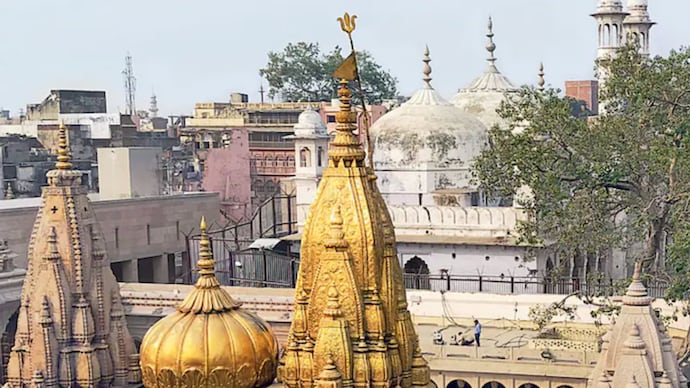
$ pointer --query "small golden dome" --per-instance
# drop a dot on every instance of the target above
(209, 341)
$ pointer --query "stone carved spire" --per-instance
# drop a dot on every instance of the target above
(9, 193)
(637, 346)
(73, 340)
(350, 297)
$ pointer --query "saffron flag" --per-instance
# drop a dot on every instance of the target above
(348, 69)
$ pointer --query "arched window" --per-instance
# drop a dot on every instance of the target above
(416, 274)
(615, 39)
(607, 35)
(319, 157)
(458, 384)
(493, 384)
(528, 385)
(305, 157)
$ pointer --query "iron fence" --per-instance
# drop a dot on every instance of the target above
(525, 285)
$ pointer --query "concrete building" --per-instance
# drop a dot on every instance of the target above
(130, 172)
(268, 125)
(141, 233)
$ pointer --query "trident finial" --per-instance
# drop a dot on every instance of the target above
(347, 23)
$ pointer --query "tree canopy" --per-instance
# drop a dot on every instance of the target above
(301, 72)
(620, 180)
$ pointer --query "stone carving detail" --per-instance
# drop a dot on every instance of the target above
(58, 340)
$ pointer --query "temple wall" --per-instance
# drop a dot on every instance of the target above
(133, 228)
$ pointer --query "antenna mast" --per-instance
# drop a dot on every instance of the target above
(130, 85)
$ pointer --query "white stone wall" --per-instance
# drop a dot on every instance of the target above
(470, 259)
(456, 221)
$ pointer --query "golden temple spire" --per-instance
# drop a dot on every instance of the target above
(350, 296)
(63, 158)
(207, 295)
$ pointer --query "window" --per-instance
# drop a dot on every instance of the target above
(117, 238)
(305, 157)
(148, 234)
(177, 229)
(330, 118)
(319, 157)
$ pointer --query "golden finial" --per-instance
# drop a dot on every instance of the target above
(345, 145)
(540, 81)
(347, 23)
(427, 67)
(207, 295)
(63, 158)
(206, 264)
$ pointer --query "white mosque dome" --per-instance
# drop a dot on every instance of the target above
(427, 131)
(309, 123)
(483, 96)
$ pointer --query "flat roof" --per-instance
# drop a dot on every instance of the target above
(22, 203)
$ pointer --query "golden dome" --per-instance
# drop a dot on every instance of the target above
(209, 341)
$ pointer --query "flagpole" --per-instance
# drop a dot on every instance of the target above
(347, 24)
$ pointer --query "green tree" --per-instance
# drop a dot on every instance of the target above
(302, 73)
(620, 180)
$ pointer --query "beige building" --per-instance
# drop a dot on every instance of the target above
(130, 172)
(144, 236)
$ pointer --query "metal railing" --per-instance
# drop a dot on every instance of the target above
(524, 285)
(274, 218)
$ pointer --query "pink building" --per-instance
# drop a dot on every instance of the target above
(226, 171)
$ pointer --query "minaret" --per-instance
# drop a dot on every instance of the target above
(638, 24)
(153, 109)
(69, 293)
(311, 147)
(609, 17)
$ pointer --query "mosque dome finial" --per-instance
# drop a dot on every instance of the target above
(490, 45)
(541, 82)
(427, 67)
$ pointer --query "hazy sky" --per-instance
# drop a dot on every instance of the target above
(202, 50)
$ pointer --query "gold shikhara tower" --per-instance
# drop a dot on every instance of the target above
(351, 326)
